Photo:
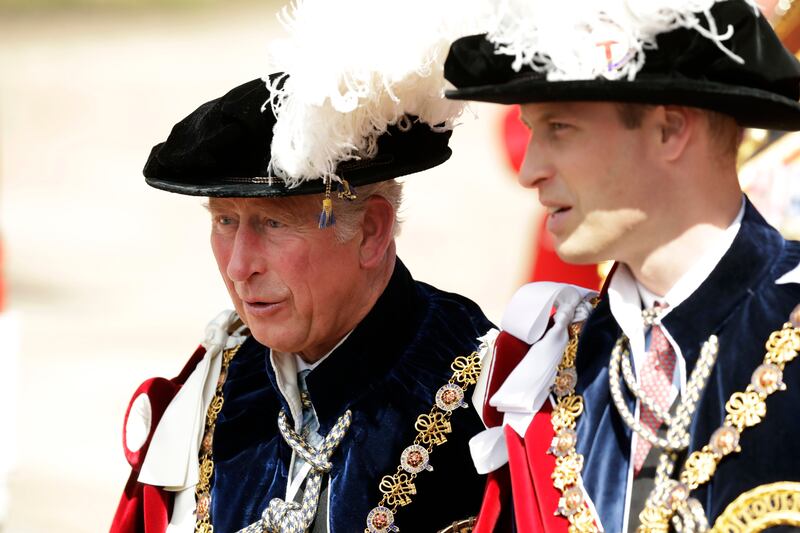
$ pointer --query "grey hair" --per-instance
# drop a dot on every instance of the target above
(350, 212)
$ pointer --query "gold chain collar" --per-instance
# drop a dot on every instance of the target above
(202, 491)
(398, 488)
(745, 409)
(432, 430)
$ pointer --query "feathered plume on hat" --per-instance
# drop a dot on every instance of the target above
(352, 69)
(589, 39)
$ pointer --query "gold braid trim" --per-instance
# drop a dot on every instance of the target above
(432, 429)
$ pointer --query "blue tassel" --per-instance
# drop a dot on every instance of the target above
(326, 218)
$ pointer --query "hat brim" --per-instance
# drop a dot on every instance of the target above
(357, 173)
(750, 107)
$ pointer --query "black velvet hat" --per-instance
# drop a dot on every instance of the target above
(685, 67)
(223, 149)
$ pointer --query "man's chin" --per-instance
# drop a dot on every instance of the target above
(575, 254)
(269, 338)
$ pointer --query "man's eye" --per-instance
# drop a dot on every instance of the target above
(223, 223)
(558, 126)
(272, 223)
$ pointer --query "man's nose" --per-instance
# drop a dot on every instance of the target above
(536, 167)
(246, 258)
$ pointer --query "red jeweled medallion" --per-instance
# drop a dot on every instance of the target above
(565, 382)
(767, 378)
(724, 440)
(203, 505)
(571, 502)
(450, 397)
(563, 443)
(415, 459)
(381, 520)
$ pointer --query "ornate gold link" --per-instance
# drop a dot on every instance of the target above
(571, 351)
(206, 471)
(699, 468)
(567, 471)
(203, 527)
(433, 428)
(745, 409)
(582, 521)
(654, 520)
(214, 409)
(783, 345)
(397, 489)
(467, 369)
(567, 411)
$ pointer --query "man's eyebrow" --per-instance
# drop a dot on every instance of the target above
(215, 203)
(543, 117)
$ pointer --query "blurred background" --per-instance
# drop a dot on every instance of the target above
(105, 282)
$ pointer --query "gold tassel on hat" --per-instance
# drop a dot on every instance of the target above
(326, 218)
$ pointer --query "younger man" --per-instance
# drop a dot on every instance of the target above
(669, 410)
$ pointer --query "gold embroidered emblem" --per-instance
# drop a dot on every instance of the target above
(775, 504)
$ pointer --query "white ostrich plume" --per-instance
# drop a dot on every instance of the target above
(354, 68)
(588, 39)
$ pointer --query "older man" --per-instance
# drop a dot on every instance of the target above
(321, 403)
(665, 409)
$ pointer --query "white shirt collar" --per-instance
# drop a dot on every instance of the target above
(286, 367)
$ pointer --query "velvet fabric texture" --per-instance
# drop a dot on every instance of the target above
(685, 69)
(741, 304)
(387, 373)
(223, 149)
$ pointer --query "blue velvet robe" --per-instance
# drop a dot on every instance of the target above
(387, 373)
(741, 304)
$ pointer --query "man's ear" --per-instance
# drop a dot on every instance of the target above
(377, 231)
(676, 124)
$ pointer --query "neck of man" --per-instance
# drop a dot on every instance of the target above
(363, 299)
(680, 237)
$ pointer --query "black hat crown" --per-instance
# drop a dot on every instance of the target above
(748, 74)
